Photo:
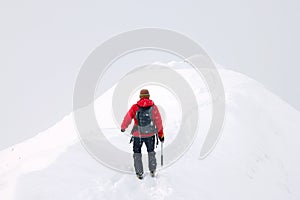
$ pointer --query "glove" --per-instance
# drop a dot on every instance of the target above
(161, 139)
(122, 130)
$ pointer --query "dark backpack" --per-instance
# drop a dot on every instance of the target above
(145, 121)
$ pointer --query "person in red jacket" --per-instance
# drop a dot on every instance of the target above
(147, 124)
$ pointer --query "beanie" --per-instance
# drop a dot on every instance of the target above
(144, 93)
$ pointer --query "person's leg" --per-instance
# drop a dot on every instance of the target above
(150, 143)
(137, 155)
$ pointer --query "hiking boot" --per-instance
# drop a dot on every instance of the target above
(139, 175)
(152, 173)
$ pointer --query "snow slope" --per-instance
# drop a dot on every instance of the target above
(257, 156)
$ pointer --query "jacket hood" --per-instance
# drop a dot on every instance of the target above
(144, 102)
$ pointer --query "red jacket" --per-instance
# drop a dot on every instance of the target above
(131, 114)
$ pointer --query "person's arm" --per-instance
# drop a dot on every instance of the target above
(158, 122)
(128, 118)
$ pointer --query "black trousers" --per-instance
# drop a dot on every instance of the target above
(138, 143)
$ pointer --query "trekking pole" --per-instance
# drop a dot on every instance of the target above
(161, 155)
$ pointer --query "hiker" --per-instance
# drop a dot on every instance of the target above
(147, 126)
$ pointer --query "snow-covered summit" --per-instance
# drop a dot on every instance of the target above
(257, 156)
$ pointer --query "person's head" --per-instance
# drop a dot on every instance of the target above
(144, 93)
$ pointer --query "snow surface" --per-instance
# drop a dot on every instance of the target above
(257, 156)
